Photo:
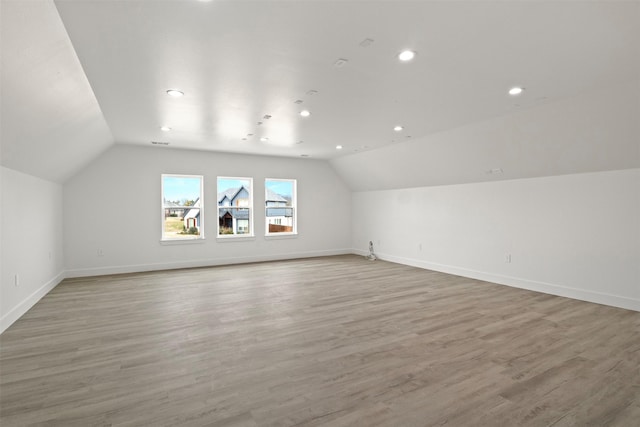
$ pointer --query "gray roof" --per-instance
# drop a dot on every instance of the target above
(229, 193)
(170, 204)
(194, 213)
(241, 213)
(272, 196)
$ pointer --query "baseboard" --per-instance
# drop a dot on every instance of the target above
(138, 268)
(516, 282)
(19, 310)
(548, 288)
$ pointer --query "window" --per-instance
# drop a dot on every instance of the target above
(280, 206)
(182, 207)
(235, 203)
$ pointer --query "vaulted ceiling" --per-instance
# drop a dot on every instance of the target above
(52, 124)
(78, 76)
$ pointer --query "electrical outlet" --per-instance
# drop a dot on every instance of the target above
(16, 280)
(420, 246)
(507, 258)
(100, 252)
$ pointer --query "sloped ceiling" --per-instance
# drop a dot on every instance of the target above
(592, 132)
(52, 125)
(248, 68)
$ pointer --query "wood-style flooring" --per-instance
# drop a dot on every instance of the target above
(335, 341)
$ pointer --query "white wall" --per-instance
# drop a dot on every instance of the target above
(114, 205)
(31, 242)
(573, 235)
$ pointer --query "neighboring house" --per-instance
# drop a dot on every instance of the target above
(279, 216)
(234, 219)
(192, 216)
(172, 209)
(275, 200)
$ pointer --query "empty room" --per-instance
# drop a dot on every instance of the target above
(319, 213)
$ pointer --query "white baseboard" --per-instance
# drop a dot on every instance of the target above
(16, 312)
(548, 288)
(137, 268)
(516, 282)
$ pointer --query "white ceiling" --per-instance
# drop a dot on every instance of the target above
(239, 60)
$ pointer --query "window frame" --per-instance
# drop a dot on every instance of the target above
(244, 236)
(294, 207)
(188, 238)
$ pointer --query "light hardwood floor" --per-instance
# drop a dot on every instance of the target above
(335, 341)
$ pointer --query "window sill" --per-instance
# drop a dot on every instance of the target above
(181, 241)
(281, 236)
(232, 238)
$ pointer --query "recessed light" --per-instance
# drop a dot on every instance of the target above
(515, 90)
(338, 147)
(398, 128)
(165, 128)
(406, 55)
(264, 139)
(175, 93)
(305, 113)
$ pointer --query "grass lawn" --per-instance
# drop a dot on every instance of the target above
(173, 224)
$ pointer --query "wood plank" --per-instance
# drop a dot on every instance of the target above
(330, 341)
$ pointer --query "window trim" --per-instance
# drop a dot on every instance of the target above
(294, 206)
(247, 236)
(188, 238)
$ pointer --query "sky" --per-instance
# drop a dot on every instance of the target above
(226, 183)
(186, 188)
(181, 188)
(283, 188)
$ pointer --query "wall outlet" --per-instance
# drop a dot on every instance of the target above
(100, 252)
(420, 246)
(507, 258)
(16, 280)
